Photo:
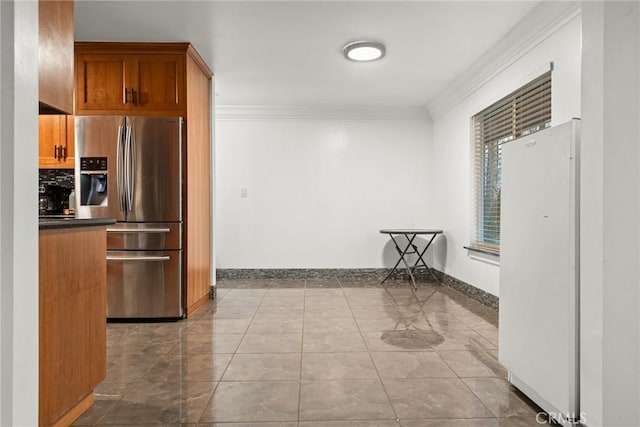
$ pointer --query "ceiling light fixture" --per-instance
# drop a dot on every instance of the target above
(363, 51)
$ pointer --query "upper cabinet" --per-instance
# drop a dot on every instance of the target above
(55, 56)
(136, 79)
(56, 136)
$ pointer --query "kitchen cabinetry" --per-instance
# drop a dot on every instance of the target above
(56, 141)
(134, 83)
(55, 56)
(72, 317)
(161, 79)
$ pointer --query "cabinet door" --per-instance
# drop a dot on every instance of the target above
(55, 56)
(159, 83)
(67, 161)
(56, 141)
(101, 83)
(51, 130)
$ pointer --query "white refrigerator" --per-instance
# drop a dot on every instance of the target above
(539, 268)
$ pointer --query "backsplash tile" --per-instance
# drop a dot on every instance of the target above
(62, 177)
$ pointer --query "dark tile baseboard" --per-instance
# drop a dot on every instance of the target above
(471, 291)
(467, 289)
(300, 273)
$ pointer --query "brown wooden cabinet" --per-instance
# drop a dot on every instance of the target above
(161, 79)
(72, 321)
(55, 56)
(113, 83)
(56, 141)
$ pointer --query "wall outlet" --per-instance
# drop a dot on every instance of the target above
(243, 192)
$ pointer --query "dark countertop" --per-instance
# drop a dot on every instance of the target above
(53, 223)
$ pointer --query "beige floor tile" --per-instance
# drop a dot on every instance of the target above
(501, 398)
(333, 342)
(219, 326)
(168, 402)
(279, 351)
(253, 401)
(409, 340)
(434, 398)
(295, 301)
(477, 363)
(337, 366)
(332, 325)
(469, 422)
(208, 343)
(271, 343)
(367, 423)
(189, 367)
(344, 400)
(257, 367)
(275, 326)
(411, 364)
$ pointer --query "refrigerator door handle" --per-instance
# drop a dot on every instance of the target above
(132, 166)
(138, 230)
(138, 258)
(119, 170)
(127, 169)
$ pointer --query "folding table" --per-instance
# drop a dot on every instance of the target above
(410, 235)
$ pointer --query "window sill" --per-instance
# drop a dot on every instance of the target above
(483, 255)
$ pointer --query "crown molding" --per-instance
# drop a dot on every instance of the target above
(537, 26)
(319, 114)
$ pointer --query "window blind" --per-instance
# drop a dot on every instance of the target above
(522, 112)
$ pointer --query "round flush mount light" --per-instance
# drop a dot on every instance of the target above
(363, 51)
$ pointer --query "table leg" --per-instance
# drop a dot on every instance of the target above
(397, 262)
(423, 261)
(402, 254)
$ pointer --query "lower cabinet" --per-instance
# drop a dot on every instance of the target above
(72, 307)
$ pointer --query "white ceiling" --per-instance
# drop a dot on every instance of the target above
(290, 53)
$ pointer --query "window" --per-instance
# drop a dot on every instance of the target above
(520, 113)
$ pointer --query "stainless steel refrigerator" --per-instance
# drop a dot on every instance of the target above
(131, 169)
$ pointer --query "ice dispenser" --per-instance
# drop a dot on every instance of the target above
(93, 181)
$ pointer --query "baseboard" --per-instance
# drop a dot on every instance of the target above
(197, 305)
(74, 413)
(300, 273)
(467, 289)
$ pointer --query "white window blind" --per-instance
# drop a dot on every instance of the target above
(520, 113)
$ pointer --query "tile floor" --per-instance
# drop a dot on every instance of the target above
(313, 353)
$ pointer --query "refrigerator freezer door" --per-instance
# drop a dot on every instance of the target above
(539, 267)
(144, 236)
(155, 176)
(144, 284)
(98, 137)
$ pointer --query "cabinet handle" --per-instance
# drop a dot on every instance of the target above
(126, 95)
(55, 151)
(63, 150)
(134, 97)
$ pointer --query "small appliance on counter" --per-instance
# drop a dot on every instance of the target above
(54, 200)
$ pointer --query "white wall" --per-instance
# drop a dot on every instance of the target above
(18, 213)
(449, 153)
(320, 186)
(610, 221)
